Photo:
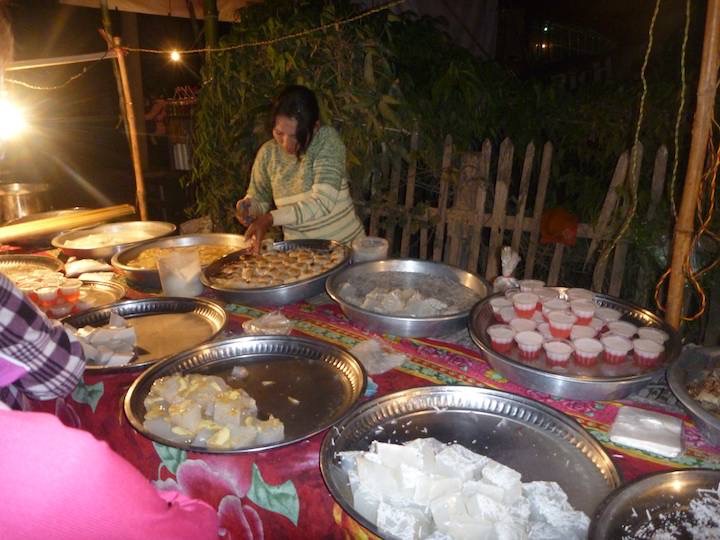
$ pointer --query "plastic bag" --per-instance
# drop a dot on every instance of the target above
(270, 324)
(377, 357)
(508, 262)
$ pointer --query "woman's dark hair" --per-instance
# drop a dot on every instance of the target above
(300, 103)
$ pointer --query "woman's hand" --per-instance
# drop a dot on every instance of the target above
(258, 229)
(242, 211)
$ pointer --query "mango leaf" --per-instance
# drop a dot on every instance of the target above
(172, 458)
(282, 499)
(89, 394)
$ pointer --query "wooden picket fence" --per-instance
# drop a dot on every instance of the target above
(473, 220)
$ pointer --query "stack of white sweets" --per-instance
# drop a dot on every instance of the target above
(428, 490)
(109, 345)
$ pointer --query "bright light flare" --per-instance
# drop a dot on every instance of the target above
(12, 120)
(175, 56)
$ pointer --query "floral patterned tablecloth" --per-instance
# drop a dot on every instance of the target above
(280, 493)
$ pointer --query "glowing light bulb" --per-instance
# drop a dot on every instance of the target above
(12, 120)
(175, 56)
(544, 45)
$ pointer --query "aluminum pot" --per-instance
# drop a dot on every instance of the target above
(18, 200)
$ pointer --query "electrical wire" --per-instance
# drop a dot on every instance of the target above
(75, 77)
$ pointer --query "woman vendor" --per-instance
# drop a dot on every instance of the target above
(302, 171)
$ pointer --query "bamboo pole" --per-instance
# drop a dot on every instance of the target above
(702, 122)
(132, 129)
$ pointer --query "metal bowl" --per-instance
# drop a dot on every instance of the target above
(278, 295)
(536, 440)
(644, 507)
(399, 325)
(156, 229)
(580, 387)
(324, 382)
(41, 240)
(147, 277)
(689, 367)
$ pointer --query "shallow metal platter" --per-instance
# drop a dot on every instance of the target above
(14, 265)
(155, 229)
(600, 382)
(399, 325)
(149, 277)
(100, 293)
(537, 441)
(325, 380)
(645, 507)
(692, 365)
(278, 295)
(164, 326)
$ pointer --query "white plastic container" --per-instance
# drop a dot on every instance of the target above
(180, 274)
(369, 248)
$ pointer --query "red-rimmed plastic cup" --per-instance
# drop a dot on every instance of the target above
(531, 285)
(607, 315)
(525, 304)
(587, 351)
(578, 332)
(538, 317)
(647, 352)
(583, 310)
(616, 348)
(653, 334)
(46, 295)
(498, 304)
(557, 352)
(70, 289)
(554, 304)
(561, 323)
(544, 330)
(529, 343)
(501, 337)
(597, 324)
(507, 314)
(579, 294)
(622, 328)
(522, 325)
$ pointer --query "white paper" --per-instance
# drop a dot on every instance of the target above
(646, 430)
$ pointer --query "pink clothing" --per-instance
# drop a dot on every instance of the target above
(59, 483)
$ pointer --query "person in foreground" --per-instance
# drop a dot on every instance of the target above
(58, 482)
(302, 171)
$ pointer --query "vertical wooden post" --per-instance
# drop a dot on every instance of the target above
(132, 130)
(210, 14)
(702, 123)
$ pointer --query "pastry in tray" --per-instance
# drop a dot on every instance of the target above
(208, 253)
(274, 268)
(706, 391)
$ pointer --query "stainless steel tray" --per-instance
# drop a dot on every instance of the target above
(164, 326)
(156, 229)
(586, 384)
(326, 381)
(405, 326)
(147, 277)
(536, 440)
(278, 295)
(662, 496)
(688, 368)
(27, 263)
(101, 293)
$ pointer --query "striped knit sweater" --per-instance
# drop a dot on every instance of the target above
(311, 194)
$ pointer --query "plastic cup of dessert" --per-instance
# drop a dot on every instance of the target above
(46, 295)
(653, 334)
(561, 323)
(538, 317)
(522, 325)
(554, 304)
(579, 294)
(596, 324)
(509, 293)
(529, 343)
(616, 348)
(546, 294)
(530, 285)
(70, 289)
(507, 314)
(499, 303)
(544, 330)
(28, 288)
(582, 331)
(525, 304)
(607, 314)
(622, 328)
(59, 311)
(647, 352)
(501, 337)
(557, 352)
(583, 310)
(587, 351)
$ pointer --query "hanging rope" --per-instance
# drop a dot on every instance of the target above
(75, 77)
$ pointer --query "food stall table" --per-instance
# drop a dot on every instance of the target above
(280, 493)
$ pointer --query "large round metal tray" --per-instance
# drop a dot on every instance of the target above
(15, 264)
(398, 325)
(102, 293)
(40, 240)
(156, 229)
(164, 327)
(148, 277)
(692, 365)
(661, 497)
(592, 384)
(278, 295)
(325, 380)
(534, 439)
